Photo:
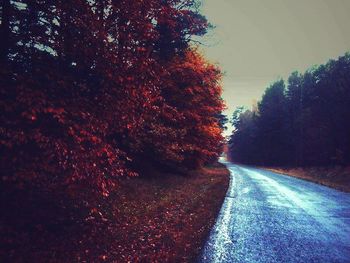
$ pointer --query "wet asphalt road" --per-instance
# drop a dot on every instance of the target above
(268, 217)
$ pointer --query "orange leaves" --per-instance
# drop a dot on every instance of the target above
(120, 85)
(192, 97)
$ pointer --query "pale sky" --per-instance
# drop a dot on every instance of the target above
(257, 41)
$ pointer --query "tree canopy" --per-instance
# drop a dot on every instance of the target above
(90, 88)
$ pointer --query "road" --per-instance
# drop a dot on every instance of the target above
(268, 217)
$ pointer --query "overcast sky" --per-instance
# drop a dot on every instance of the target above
(257, 41)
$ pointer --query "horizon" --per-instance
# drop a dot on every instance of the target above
(256, 43)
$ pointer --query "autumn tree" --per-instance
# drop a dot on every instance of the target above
(88, 88)
(192, 99)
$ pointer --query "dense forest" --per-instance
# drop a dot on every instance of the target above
(92, 89)
(304, 122)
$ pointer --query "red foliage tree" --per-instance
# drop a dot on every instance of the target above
(193, 91)
(88, 87)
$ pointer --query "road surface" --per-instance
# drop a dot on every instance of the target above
(268, 217)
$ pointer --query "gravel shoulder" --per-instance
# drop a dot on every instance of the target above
(334, 177)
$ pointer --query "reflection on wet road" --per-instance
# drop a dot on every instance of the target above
(267, 217)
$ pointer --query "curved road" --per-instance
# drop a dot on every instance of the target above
(268, 217)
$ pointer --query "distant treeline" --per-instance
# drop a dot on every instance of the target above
(90, 90)
(305, 122)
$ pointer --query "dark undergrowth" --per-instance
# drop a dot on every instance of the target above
(158, 218)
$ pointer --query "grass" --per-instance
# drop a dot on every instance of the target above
(161, 218)
(334, 177)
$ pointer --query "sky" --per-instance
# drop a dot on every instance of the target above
(258, 41)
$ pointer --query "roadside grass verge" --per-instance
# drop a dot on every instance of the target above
(161, 218)
(334, 177)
